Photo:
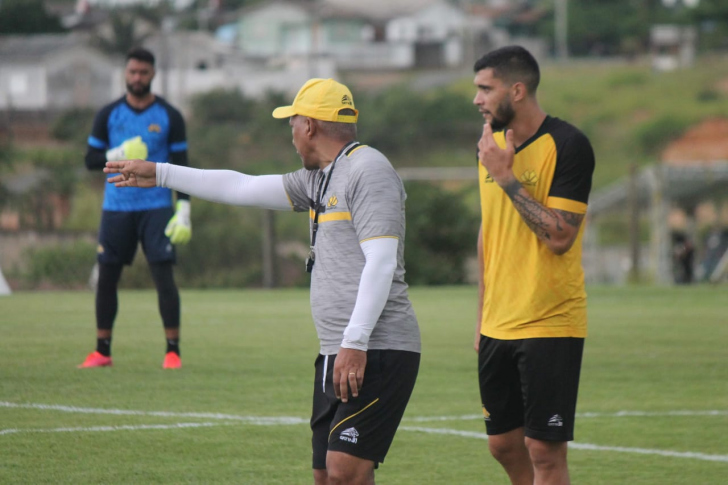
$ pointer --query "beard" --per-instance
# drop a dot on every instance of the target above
(138, 89)
(503, 115)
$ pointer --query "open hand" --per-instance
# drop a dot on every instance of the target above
(132, 173)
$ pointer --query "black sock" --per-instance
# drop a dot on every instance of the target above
(103, 346)
(173, 345)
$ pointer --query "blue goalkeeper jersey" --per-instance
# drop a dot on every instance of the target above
(161, 127)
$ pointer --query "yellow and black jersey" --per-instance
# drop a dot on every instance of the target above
(531, 292)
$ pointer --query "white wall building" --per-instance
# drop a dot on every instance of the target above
(54, 72)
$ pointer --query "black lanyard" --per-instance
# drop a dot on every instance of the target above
(318, 203)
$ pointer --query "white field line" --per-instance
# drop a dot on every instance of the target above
(581, 446)
(617, 414)
(260, 420)
(112, 428)
(287, 420)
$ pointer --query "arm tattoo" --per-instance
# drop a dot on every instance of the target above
(571, 218)
(536, 216)
(512, 188)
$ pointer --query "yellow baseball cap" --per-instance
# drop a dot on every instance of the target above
(321, 99)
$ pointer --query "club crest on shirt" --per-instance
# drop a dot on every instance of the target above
(489, 179)
(529, 177)
(333, 200)
(154, 128)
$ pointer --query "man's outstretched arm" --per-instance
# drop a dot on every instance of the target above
(224, 186)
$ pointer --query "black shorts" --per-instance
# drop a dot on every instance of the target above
(365, 425)
(530, 383)
(120, 233)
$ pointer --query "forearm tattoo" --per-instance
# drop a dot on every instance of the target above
(572, 219)
(536, 216)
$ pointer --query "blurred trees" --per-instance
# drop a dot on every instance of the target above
(441, 234)
(402, 122)
(712, 18)
(622, 27)
(27, 17)
(45, 182)
(73, 126)
(127, 30)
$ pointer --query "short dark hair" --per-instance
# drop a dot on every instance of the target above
(140, 54)
(339, 130)
(512, 63)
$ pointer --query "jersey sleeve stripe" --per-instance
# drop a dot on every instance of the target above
(178, 147)
(334, 216)
(566, 205)
(378, 237)
(96, 143)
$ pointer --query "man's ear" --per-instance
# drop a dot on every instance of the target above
(519, 92)
(311, 127)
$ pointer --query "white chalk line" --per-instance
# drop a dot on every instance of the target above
(580, 446)
(288, 420)
(258, 420)
(112, 428)
(617, 414)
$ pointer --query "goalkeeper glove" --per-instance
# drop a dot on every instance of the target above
(131, 149)
(179, 227)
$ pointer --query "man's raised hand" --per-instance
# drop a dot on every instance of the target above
(496, 160)
(132, 173)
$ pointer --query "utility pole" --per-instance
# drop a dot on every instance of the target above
(561, 28)
(270, 279)
(314, 48)
(634, 223)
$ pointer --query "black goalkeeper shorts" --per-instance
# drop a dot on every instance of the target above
(121, 232)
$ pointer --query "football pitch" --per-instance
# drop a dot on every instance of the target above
(653, 401)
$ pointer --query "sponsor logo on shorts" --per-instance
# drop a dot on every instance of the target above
(351, 435)
(100, 249)
(556, 420)
(486, 414)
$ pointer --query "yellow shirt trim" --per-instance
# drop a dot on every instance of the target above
(566, 205)
(355, 149)
(334, 216)
(378, 237)
(293, 207)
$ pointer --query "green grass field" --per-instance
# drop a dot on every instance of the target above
(653, 404)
